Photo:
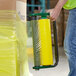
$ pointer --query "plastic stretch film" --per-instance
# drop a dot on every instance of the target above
(36, 42)
(46, 57)
(13, 56)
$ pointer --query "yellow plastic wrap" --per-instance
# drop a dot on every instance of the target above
(45, 42)
(13, 56)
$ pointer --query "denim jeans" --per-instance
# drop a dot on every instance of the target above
(70, 42)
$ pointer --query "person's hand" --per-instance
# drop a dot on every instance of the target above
(54, 13)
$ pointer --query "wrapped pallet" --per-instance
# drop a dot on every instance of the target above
(13, 56)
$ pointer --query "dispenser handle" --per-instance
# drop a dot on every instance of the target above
(56, 44)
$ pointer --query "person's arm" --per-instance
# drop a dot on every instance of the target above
(54, 13)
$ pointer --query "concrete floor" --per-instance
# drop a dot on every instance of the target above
(61, 70)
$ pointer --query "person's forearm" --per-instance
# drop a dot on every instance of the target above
(60, 4)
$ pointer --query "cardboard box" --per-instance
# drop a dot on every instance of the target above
(22, 0)
(7, 4)
(21, 9)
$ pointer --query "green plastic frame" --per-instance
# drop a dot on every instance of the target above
(43, 15)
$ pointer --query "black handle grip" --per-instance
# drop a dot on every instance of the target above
(56, 44)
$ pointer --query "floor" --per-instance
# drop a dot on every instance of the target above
(61, 70)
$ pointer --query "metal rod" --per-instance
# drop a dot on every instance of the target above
(32, 2)
(43, 5)
(48, 4)
(29, 5)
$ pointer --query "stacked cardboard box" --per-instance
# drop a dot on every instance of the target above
(7, 4)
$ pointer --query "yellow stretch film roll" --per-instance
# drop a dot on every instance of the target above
(45, 42)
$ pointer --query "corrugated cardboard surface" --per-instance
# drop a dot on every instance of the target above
(18, 5)
(22, 0)
(7, 4)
